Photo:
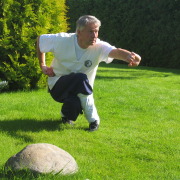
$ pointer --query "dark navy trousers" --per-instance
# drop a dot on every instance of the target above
(65, 91)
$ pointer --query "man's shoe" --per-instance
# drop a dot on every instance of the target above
(93, 126)
(66, 121)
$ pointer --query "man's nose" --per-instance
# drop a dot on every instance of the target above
(93, 34)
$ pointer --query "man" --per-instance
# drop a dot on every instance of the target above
(72, 73)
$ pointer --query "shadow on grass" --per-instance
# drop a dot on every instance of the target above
(21, 174)
(17, 128)
(113, 78)
(13, 127)
(125, 67)
(27, 174)
(123, 72)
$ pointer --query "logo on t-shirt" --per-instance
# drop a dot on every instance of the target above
(88, 63)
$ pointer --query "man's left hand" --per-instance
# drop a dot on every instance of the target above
(134, 59)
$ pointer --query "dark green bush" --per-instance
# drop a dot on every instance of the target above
(21, 21)
(150, 28)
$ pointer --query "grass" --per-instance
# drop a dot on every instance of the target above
(138, 137)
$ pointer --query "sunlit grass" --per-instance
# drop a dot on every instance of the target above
(139, 133)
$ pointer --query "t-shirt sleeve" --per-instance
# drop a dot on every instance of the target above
(106, 49)
(46, 42)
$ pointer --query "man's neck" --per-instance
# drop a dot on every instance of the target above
(81, 44)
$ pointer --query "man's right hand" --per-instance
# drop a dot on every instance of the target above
(48, 71)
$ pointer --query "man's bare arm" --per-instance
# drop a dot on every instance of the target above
(131, 58)
(42, 62)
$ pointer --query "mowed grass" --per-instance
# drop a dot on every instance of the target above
(139, 133)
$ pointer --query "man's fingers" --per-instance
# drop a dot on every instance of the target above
(50, 72)
(130, 64)
(137, 57)
(44, 69)
(134, 59)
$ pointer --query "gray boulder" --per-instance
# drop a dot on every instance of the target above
(43, 158)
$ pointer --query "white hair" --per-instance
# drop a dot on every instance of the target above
(87, 19)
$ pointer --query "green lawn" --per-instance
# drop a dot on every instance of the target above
(139, 133)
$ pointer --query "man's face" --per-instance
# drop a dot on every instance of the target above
(88, 36)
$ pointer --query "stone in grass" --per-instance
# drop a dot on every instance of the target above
(43, 158)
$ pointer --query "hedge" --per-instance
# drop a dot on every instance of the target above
(150, 28)
(21, 21)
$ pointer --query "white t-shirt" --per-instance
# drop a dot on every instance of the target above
(79, 51)
(69, 57)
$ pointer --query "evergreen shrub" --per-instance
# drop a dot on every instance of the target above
(21, 21)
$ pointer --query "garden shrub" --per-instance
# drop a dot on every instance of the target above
(21, 21)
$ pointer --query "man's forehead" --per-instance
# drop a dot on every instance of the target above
(92, 26)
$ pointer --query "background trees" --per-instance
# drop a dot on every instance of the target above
(150, 28)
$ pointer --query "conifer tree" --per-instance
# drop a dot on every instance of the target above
(21, 21)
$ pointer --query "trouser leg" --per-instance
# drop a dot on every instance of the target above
(66, 90)
(89, 108)
(71, 108)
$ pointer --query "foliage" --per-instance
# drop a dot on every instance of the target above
(150, 28)
(21, 21)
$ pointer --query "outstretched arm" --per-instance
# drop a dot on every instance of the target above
(42, 62)
(131, 58)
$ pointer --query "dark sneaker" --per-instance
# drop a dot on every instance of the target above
(66, 121)
(93, 126)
